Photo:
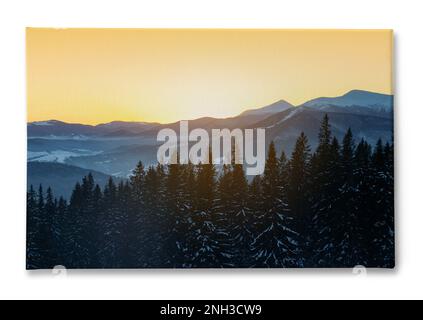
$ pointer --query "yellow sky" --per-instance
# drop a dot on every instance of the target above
(99, 75)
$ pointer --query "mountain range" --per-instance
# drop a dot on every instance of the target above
(113, 149)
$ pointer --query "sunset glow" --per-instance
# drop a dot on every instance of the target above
(99, 75)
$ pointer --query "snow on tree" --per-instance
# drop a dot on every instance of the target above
(274, 244)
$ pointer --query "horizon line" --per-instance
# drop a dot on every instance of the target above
(192, 119)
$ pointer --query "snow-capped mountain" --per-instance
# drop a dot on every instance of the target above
(355, 98)
(115, 148)
(355, 101)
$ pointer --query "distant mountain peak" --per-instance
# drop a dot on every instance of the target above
(355, 98)
(276, 107)
(281, 101)
(358, 92)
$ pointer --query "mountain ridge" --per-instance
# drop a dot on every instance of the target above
(353, 101)
(354, 98)
(116, 152)
(278, 106)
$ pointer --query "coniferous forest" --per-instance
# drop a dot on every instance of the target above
(333, 207)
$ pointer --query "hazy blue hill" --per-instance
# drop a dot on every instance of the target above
(53, 129)
(115, 148)
(209, 123)
(122, 128)
(353, 102)
(59, 129)
(120, 161)
(60, 177)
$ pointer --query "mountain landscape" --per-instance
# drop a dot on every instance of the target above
(59, 150)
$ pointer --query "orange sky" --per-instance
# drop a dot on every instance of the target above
(98, 75)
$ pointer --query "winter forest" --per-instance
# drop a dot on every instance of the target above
(331, 207)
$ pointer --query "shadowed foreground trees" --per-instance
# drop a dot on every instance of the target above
(330, 208)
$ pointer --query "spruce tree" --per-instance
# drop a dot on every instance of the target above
(152, 237)
(188, 204)
(381, 221)
(60, 235)
(322, 242)
(224, 217)
(363, 199)
(33, 254)
(172, 218)
(109, 253)
(242, 220)
(274, 243)
(89, 217)
(255, 204)
(205, 246)
(42, 233)
(137, 219)
(126, 225)
(46, 228)
(298, 194)
(347, 230)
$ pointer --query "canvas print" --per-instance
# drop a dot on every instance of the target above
(209, 148)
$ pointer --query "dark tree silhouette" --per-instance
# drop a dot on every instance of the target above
(333, 207)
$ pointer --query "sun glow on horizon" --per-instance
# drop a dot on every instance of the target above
(95, 76)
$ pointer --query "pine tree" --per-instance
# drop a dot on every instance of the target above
(137, 181)
(152, 237)
(224, 217)
(78, 252)
(324, 190)
(389, 201)
(275, 244)
(299, 171)
(111, 229)
(363, 183)
(33, 255)
(346, 227)
(255, 204)
(136, 220)
(173, 219)
(89, 217)
(204, 231)
(224, 188)
(60, 237)
(241, 231)
(125, 226)
(46, 229)
(42, 251)
(381, 219)
(40, 214)
(298, 194)
(188, 185)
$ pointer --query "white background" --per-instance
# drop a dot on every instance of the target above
(405, 17)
